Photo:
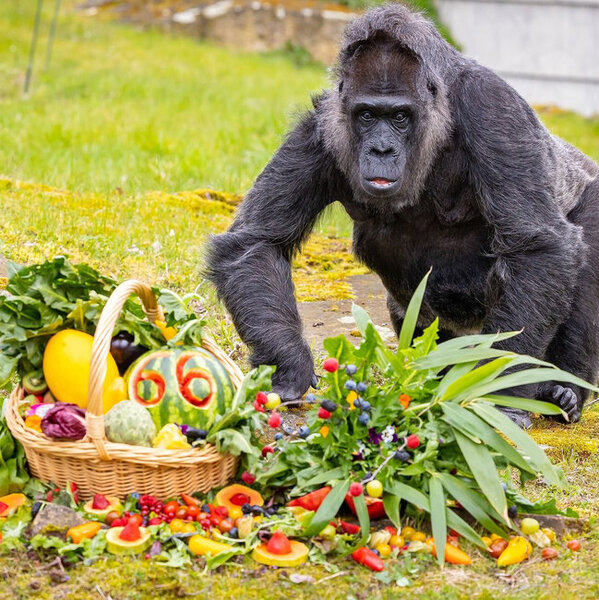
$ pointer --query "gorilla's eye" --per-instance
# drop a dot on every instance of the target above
(366, 116)
(401, 118)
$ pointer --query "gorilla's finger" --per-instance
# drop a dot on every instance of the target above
(557, 392)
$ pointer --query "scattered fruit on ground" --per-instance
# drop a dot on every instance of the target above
(297, 553)
(116, 544)
(529, 525)
(573, 545)
(84, 531)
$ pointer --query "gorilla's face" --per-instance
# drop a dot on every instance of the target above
(379, 101)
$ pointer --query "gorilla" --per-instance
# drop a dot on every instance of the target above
(438, 162)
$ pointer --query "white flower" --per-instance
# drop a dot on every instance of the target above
(388, 434)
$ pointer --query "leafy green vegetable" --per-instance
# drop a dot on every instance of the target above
(13, 474)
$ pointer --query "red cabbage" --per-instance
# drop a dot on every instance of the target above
(64, 421)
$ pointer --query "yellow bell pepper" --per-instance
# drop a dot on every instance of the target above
(168, 332)
(518, 549)
(170, 438)
(200, 546)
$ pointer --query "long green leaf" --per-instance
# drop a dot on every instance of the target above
(420, 500)
(534, 406)
(483, 468)
(471, 501)
(478, 339)
(363, 518)
(454, 373)
(411, 317)
(456, 522)
(521, 439)
(391, 503)
(483, 374)
(526, 377)
(440, 360)
(330, 475)
(328, 509)
(471, 425)
(438, 517)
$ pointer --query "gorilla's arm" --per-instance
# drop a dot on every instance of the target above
(250, 264)
(538, 252)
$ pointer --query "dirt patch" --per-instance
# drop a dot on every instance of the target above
(327, 318)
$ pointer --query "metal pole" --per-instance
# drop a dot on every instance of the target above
(36, 28)
(52, 35)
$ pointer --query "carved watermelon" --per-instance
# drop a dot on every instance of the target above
(188, 386)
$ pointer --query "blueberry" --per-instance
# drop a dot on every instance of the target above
(365, 405)
(512, 511)
(304, 431)
(205, 508)
(329, 405)
(351, 370)
(361, 387)
(135, 495)
(350, 385)
(358, 402)
(271, 510)
(288, 430)
(246, 508)
(376, 551)
(310, 398)
(257, 510)
(278, 436)
(234, 532)
(402, 455)
(363, 419)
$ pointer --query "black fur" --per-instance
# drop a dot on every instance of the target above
(470, 183)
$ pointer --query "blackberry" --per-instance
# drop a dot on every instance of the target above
(205, 508)
(512, 511)
(246, 508)
(402, 455)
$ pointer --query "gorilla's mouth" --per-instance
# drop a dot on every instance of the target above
(381, 182)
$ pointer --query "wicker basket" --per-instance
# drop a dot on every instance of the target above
(99, 466)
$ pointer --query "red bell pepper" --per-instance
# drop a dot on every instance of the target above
(349, 528)
(375, 506)
(365, 556)
(313, 500)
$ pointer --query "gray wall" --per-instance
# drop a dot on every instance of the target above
(547, 49)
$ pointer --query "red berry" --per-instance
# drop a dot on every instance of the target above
(275, 420)
(323, 413)
(261, 398)
(330, 365)
(221, 511)
(248, 478)
(258, 406)
(412, 441)
(267, 450)
(356, 489)
(155, 521)
(573, 545)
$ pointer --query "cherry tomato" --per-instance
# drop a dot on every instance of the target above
(176, 525)
(111, 516)
(188, 528)
(221, 511)
(193, 511)
(137, 519)
(573, 545)
(226, 525)
(170, 508)
(181, 512)
(215, 520)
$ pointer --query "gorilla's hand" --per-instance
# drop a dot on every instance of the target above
(294, 376)
(565, 397)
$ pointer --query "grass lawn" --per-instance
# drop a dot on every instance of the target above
(114, 138)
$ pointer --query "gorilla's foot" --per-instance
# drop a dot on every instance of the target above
(566, 398)
(520, 417)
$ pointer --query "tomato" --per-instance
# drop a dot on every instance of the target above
(181, 512)
(170, 508)
(137, 519)
(226, 525)
(573, 545)
(111, 516)
(193, 511)
(188, 528)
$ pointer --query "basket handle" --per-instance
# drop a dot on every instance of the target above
(101, 347)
